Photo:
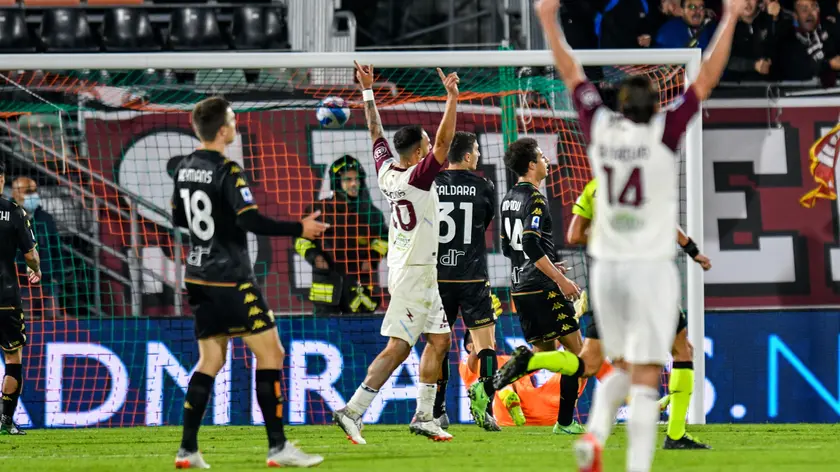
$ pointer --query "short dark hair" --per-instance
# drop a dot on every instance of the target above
(407, 139)
(520, 154)
(209, 116)
(638, 98)
(462, 143)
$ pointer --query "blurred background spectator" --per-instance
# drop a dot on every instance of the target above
(754, 42)
(693, 29)
(25, 194)
(806, 49)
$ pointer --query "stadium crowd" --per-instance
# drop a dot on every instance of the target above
(775, 40)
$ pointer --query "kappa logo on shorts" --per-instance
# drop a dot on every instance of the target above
(250, 298)
(246, 286)
(557, 306)
(254, 311)
(551, 295)
(562, 316)
(258, 324)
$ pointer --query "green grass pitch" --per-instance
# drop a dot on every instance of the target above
(746, 448)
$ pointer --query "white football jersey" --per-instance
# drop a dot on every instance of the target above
(412, 195)
(637, 168)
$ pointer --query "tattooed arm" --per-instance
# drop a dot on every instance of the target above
(364, 74)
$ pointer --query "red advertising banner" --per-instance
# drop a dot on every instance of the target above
(770, 213)
(770, 210)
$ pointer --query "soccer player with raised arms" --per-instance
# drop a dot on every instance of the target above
(408, 183)
(467, 206)
(213, 200)
(541, 293)
(635, 282)
(681, 383)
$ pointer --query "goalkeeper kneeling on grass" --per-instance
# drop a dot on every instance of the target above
(345, 262)
(520, 403)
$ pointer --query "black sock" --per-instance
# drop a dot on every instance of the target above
(198, 394)
(488, 365)
(10, 400)
(270, 399)
(568, 399)
(440, 395)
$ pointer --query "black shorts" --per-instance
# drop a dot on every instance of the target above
(229, 311)
(472, 299)
(12, 328)
(592, 327)
(544, 315)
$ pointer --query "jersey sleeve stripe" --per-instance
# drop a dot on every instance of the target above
(247, 208)
(209, 284)
(528, 231)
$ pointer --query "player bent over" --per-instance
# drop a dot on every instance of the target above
(467, 204)
(408, 183)
(213, 200)
(635, 281)
(15, 234)
(681, 383)
(542, 295)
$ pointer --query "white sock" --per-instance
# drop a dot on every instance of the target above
(360, 401)
(641, 427)
(425, 400)
(609, 396)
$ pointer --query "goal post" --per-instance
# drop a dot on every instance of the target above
(622, 62)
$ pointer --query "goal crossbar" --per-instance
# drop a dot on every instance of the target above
(690, 58)
(401, 59)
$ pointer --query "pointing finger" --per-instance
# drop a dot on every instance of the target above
(440, 74)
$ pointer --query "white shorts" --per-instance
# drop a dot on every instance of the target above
(415, 307)
(635, 302)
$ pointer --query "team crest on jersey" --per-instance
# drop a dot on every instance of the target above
(246, 195)
(590, 97)
(380, 152)
(535, 222)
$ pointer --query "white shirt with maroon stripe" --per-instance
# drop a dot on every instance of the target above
(637, 167)
(411, 193)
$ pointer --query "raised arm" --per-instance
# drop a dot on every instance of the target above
(364, 74)
(717, 54)
(567, 66)
(446, 129)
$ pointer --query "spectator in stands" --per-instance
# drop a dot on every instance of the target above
(346, 260)
(805, 49)
(624, 24)
(25, 194)
(753, 44)
(693, 30)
